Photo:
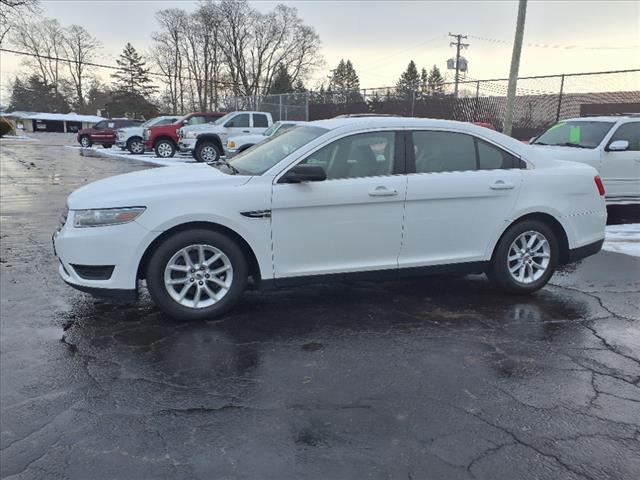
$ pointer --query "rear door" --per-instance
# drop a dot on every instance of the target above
(260, 123)
(460, 195)
(620, 171)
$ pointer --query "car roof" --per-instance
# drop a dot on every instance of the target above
(601, 118)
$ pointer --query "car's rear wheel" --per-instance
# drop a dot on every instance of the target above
(165, 149)
(207, 152)
(85, 141)
(197, 274)
(525, 258)
(135, 146)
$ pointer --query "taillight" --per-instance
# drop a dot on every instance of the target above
(599, 184)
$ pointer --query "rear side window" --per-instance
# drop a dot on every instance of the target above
(629, 132)
(491, 157)
(443, 152)
(260, 120)
(458, 152)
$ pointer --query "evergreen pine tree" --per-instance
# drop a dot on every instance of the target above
(133, 78)
(435, 81)
(409, 81)
(282, 82)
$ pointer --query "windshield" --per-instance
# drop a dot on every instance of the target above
(159, 121)
(269, 131)
(584, 134)
(261, 157)
(221, 120)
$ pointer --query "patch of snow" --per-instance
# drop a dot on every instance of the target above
(115, 152)
(16, 137)
(623, 239)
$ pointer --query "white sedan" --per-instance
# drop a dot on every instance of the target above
(344, 198)
(609, 144)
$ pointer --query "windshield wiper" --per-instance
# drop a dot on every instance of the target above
(570, 144)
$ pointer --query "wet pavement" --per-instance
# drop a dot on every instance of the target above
(439, 378)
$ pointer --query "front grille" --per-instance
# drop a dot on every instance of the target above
(94, 272)
(180, 133)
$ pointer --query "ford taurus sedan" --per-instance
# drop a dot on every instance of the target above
(344, 198)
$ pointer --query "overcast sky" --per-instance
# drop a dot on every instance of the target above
(380, 37)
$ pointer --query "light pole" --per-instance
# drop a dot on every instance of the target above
(515, 65)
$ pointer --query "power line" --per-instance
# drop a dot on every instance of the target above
(558, 46)
(110, 67)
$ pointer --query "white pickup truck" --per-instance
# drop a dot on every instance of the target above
(132, 138)
(610, 144)
(240, 143)
(205, 142)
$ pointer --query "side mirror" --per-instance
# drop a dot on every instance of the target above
(304, 173)
(618, 146)
(229, 124)
(185, 122)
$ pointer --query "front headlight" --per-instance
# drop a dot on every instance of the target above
(101, 217)
(231, 144)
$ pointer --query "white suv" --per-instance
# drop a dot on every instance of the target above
(205, 142)
(609, 144)
(334, 199)
(132, 138)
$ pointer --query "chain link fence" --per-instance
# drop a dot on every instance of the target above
(540, 101)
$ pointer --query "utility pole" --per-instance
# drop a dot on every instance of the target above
(458, 46)
(515, 65)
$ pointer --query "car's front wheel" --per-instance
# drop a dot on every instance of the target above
(207, 152)
(165, 149)
(197, 274)
(135, 146)
(85, 141)
(525, 258)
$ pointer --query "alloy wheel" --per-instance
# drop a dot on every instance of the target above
(528, 257)
(137, 147)
(84, 141)
(198, 276)
(165, 150)
(209, 154)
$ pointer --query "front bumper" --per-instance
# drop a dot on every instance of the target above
(120, 246)
(187, 145)
(230, 152)
(121, 143)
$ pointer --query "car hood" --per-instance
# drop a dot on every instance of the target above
(567, 153)
(149, 186)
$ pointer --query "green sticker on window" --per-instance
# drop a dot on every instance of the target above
(574, 134)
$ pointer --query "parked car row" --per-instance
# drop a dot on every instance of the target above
(104, 132)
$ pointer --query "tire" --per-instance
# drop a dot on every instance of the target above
(207, 152)
(167, 297)
(85, 141)
(106, 145)
(135, 146)
(165, 149)
(528, 276)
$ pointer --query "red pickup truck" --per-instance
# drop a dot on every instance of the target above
(104, 132)
(163, 139)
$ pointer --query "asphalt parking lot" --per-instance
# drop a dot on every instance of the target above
(438, 378)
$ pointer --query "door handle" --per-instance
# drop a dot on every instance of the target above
(501, 185)
(246, 131)
(382, 192)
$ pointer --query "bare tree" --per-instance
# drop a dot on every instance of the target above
(166, 55)
(44, 40)
(80, 48)
(11, 11)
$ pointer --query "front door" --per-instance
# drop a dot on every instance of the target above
(620, 171)
(238, 125)
(458, 199)
(350, 222)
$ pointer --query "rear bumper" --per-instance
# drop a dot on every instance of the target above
(579, 253)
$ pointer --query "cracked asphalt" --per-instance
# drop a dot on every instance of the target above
(436, 378)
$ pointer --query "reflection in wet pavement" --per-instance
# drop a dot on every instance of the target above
(431, 378)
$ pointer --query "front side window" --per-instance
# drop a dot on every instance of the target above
(360, 155)
(239, 121)
(261, 157)
(443, 152)
(100, 125)
(260, 120)
(579, 134)
(629, 132)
